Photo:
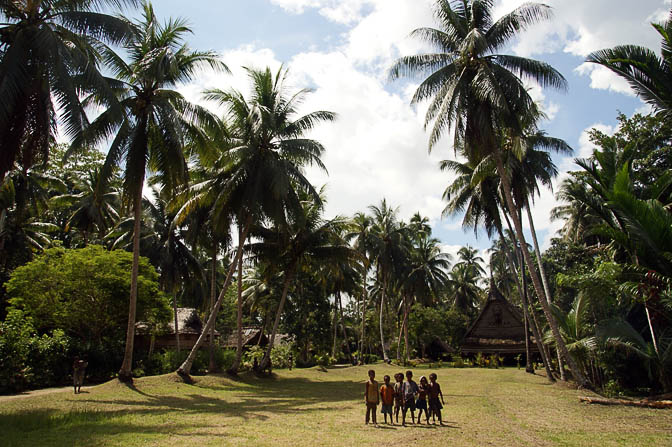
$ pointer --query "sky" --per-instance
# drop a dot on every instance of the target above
(377, 148)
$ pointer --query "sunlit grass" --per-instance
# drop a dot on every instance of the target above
(314, 408)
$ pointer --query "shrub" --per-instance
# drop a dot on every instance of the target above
(28, 360)
(458, 363)
(282, 356)
(480, 360)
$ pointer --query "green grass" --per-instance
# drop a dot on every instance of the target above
(311, 407)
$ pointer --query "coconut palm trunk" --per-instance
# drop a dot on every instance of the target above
(560, 343)
(544, 279)
(382, 307)
(406, 345)
(266, 361)
(125, 374)
(345, 334)
(213, 293)
(522, 290)
(401, 327)
(185, 369)
(177, 329)
(239, 311)
(365, 300)
(335, 328)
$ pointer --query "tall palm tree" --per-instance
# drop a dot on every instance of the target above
(363, 242)
(388, 247)
(150, 121)
(649, 76)
(261, 175)
(426, 280)
(479, 92)
(48, 58)
(463, 287)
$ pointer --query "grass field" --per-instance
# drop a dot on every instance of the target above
(323, 408)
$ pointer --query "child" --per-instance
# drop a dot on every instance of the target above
(409, 389)
(398, 398)
(78, 369)
(371, 397)
(421, 403)
(434, 405)
(387, 398)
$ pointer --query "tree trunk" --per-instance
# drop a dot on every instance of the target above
(185, 368)
(213, 292)
(345, 334)
(266, 361)
(364, 303)
(334, 322)
(544, 279)
(560, 343)
(653, 334)
(239, 313)
(177, 332)
(382, 307)
(407, 313)
(522, 290)
(401, 327)
(125, 374)
(528, 355)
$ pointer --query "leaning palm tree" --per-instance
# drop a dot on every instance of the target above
(48, 57)
(149, 122)
(479, 93)
(261, 175)
(649, 76)
(306, 237)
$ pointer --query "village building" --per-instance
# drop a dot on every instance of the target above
(499, 329)
(189, 327)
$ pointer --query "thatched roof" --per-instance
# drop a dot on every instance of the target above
(251, 336)
(188, 322)
(499, 328)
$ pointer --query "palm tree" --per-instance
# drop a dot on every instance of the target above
(151, 121)
(306, 236)
(48, 57)
(479, 93)
(388, 248)
(261, 175)
(463, 287)
(426, 280)
(649, 76)
(95, 202)
(363, 242)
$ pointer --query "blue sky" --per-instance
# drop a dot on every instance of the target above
(377, 148)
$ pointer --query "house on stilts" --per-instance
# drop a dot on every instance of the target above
(499, 329)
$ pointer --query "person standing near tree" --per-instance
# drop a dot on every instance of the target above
(371, 397)
(409, 390)
(78, 370)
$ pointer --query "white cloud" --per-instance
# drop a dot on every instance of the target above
(340, 11)
(580, 27)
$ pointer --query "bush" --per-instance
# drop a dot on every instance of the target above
(282, 356)
(324, 360)
(459, 363)
(28, 360)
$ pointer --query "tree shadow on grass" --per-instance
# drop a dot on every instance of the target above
(132, 412)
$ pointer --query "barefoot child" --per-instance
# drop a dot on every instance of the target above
(409, 390)
(398, 398)
(421, 403)
(78, 370)
(435, 405)
(387, 398)
(371, 397)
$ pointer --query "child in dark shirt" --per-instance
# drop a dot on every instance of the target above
(435, 405)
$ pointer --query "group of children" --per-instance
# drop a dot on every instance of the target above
(403, 396)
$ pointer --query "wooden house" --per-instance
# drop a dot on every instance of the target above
(253, 336)
(189, 326)
(499, 329)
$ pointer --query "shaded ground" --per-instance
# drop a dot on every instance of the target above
(315, 408)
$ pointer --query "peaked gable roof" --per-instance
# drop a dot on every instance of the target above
(498, 328)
